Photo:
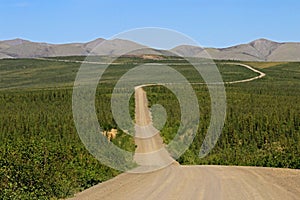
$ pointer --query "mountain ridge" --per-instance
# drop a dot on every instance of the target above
(258, 50)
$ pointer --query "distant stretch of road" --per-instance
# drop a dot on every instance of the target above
(260, 74)
(189, 182)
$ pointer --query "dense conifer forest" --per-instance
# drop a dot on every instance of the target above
(42, 157)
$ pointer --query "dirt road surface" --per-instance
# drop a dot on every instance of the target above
(189, 182)
(200, 182)
(150, 153)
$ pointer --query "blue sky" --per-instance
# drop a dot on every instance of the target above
(210, 22)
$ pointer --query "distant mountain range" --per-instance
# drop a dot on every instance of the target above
(258, 50)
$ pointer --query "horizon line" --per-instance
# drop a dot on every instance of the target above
(202, 46)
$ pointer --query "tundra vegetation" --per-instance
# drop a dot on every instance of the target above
(42, 157)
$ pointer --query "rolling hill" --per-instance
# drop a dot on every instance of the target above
(258, 50)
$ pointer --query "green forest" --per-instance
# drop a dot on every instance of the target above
(42, 157)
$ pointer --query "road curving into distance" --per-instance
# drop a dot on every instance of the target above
(190, 182)
(260, 74)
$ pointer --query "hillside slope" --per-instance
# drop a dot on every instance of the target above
(258, 50)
